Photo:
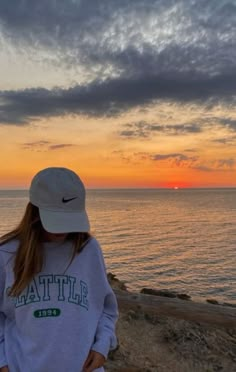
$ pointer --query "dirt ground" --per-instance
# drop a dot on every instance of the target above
(148, 344)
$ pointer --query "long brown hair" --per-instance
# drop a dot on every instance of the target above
(29, 258)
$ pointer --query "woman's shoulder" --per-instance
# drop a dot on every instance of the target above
(7, 251)
(9, 247)
(93, 243)
(92, 247)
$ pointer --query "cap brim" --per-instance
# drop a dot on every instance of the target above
(64, 222)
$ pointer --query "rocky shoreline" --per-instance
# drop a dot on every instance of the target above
(116, 283)
(151, 343)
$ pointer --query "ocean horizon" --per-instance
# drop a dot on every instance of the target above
(139, 188)
(180, 239)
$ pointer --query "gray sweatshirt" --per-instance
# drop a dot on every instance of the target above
(61, 315)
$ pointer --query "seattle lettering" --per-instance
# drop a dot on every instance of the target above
(64, 287)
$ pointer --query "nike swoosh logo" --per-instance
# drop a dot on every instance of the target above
(68, 200)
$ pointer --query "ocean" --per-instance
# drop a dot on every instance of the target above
(183, 240)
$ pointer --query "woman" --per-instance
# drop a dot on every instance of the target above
(57, 309)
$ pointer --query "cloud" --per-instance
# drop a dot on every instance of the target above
(60, 146)
(142, 129)
(218, 165)
(229, 123)
(203, 168)
(44, 146)
(226, 163)
(229, 140)
(176, 159)
(170, 156)
(194, 162)
(190, 150)
(111, 97)
(159, 35)
(128, 159)
(132, 53)
(36, 145)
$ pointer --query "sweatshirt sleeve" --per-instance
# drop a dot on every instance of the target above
(105, 338)
(3, 360)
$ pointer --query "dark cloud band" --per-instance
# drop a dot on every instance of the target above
(113, 96)
(134, 52)
(126, 38)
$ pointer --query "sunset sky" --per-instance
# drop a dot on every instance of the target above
(128, 93)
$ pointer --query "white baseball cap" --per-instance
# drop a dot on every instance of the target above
(59, 194)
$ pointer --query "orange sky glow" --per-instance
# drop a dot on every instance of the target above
(143, 98)
(103, 157)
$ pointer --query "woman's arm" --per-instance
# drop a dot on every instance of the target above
(105, 335)
(105, 338)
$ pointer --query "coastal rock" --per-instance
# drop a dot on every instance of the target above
(157, 292)
(165, 293)
(212, 301)
(116, 283)
(228, 304)
(184, 296)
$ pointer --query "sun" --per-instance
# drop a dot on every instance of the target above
(176, 185)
